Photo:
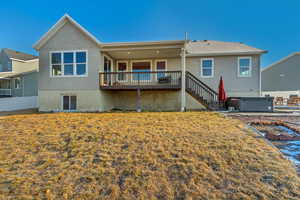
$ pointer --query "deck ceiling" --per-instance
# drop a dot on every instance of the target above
(143, 51)
(144, 54)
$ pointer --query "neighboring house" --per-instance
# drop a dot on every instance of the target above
(78, 72)
(19, 74)
(281, 79)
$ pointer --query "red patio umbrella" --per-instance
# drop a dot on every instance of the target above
(222, 93)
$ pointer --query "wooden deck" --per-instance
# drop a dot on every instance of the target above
(152, 80)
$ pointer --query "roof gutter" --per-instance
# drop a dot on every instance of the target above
(144, 43)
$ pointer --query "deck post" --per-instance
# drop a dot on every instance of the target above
(138, 100)
(183, 97)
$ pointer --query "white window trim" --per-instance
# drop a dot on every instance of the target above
(15, 83)
(212, 68)
(62, 102)
(74, 64)
(133, 61)
(122, 61)
(166, 68)
(250, 67)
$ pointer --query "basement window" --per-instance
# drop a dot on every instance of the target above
(69, 102)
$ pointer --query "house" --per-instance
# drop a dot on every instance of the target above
(18, 74)
(281, 79)
(79, 72)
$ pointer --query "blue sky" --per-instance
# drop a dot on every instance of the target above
(269, 25)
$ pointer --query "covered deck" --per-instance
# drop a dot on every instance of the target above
(142, 65)
(5, 87)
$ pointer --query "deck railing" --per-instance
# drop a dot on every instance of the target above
(5, 92)
(142, 80)
(201, 91)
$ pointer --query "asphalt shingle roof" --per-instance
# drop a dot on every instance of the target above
(212, 46)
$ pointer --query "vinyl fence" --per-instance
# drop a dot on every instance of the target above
(18, 103)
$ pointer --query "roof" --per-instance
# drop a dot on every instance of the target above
(212, 47)
(194, 48)
(281, 60)
(12, 54)
(6, 75)
(56, 27)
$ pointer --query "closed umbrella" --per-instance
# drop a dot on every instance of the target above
(222, 94)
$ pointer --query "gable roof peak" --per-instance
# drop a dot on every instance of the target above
(57, 26)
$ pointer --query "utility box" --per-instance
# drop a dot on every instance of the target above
(256, 104)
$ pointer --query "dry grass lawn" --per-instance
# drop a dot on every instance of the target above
(194, 155)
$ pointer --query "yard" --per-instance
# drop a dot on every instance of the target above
(193, 155)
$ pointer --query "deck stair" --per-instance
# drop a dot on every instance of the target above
(201, 92)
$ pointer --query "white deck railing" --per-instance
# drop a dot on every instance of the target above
(5, 92)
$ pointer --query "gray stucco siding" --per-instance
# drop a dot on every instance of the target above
(227, 67)
(70, 38)
(284, 76)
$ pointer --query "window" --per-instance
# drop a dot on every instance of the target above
(141, 66)
(207, 67)
(244, 66)
(17, 83)
(69, 63)
(69, 102)
(122, 67)
(161, 67)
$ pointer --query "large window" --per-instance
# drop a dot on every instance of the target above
(161, 67)
(244, 66)
(207, 67)
(69, 63)
(141, 66)
(69, 102)
(122, 67)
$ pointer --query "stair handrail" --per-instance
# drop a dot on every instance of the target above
(206, 87)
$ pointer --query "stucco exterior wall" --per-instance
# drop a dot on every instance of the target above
(87, 100)
(283, 76)
(95, 100)
(69, 38)
(227, 67)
